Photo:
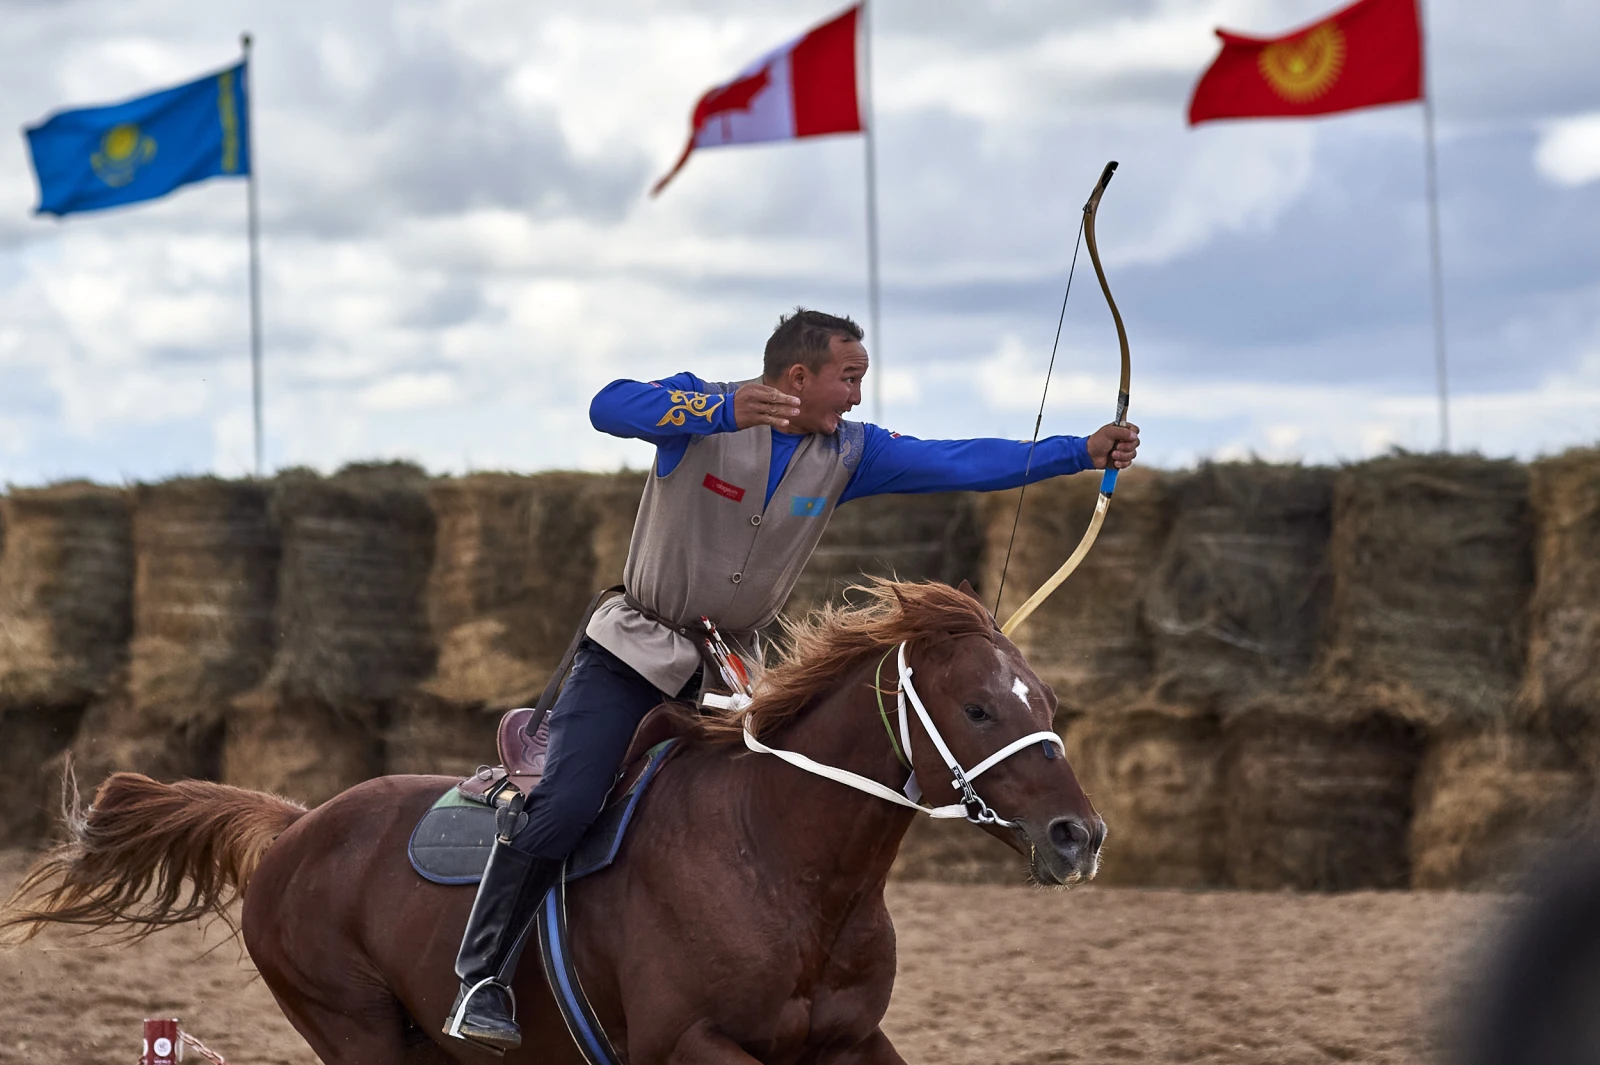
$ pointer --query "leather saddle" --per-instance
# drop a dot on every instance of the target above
(522, 754)
(523, 750)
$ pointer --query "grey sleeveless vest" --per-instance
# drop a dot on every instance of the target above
(704, 544)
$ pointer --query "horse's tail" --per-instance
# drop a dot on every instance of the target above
(146, 855)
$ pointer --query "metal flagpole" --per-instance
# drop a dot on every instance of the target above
(1432, 176)
(872, 217)
(255, 257)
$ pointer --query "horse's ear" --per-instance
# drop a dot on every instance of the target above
(966, 589)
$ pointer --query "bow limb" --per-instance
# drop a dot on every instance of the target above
(1108, 480)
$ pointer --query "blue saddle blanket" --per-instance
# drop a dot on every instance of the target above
(451, 842)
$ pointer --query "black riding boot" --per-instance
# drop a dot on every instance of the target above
(513, 885)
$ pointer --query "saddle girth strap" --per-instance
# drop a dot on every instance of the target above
(561, 975)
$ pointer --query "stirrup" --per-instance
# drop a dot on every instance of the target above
(460, 1015)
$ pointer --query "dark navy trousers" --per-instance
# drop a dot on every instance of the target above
(591, 724)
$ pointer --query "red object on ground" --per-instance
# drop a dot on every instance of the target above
(165, 1041)
(1367, 54)
(805, 88)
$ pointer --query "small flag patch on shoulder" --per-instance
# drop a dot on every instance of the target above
(808, 506)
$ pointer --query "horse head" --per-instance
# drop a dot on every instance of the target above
(974, 721)
(982, 697)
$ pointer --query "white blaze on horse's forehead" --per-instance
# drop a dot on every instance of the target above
(1020, 690)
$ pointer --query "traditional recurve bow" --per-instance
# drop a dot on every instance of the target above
(1108, 480)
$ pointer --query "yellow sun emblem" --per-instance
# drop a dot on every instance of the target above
(123, 150)
(1302, 68)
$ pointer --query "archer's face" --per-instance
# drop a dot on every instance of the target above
(830, 393)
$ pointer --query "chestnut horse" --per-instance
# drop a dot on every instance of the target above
(745, 920)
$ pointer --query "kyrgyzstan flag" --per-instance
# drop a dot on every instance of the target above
(803, 89)
(1367, 54)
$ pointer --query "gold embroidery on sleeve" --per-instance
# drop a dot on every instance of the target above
(686, 403)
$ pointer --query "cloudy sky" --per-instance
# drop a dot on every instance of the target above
(458, 249)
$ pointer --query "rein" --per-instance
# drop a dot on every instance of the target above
(970, 805)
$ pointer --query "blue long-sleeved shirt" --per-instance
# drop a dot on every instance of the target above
(890, 463)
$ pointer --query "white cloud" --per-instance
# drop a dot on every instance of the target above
(411, 391)
(1569, 150)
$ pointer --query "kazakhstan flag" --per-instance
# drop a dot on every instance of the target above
(98, 157)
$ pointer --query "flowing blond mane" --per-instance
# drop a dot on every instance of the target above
(829, 643)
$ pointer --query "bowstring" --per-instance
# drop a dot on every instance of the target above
(1039, 421)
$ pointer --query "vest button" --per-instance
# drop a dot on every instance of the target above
(737, 577)
(755, 519)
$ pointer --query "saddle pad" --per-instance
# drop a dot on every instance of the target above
(452, 840)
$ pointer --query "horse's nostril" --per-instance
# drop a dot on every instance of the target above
(1069, 836)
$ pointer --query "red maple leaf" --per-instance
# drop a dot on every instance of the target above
(734, 96)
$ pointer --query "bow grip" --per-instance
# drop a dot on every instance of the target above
(1108, 481)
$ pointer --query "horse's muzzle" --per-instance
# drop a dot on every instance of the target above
(1075, 846)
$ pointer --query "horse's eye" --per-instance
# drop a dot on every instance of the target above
(976, 713)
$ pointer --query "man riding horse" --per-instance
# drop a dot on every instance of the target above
(746, 476)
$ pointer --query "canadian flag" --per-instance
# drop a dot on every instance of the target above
(805, 88)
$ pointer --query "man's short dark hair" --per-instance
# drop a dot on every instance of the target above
(805, 337)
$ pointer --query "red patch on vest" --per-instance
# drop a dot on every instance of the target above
(723, 488)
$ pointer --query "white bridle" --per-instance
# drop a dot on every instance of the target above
(970, 806)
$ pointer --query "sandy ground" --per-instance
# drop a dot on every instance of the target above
(987, 975)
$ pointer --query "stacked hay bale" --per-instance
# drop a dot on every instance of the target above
(1317, 795)
(1432, 564)
(1088, 640)
(1562, 688)
(1153, 774)
(353, 635)
(1487, 802)
(66, 579)
(1489, 796)
(1237, 603)
(205, 577)
(512, 572)
(909, 537)
(1233, 610)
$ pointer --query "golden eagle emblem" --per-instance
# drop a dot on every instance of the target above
(123, 150)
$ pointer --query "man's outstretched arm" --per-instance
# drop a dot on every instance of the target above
(904, 464)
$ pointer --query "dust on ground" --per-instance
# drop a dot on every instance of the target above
(1009, 975)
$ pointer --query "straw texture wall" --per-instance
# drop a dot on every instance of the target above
(205, 581)
(1432, 564)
